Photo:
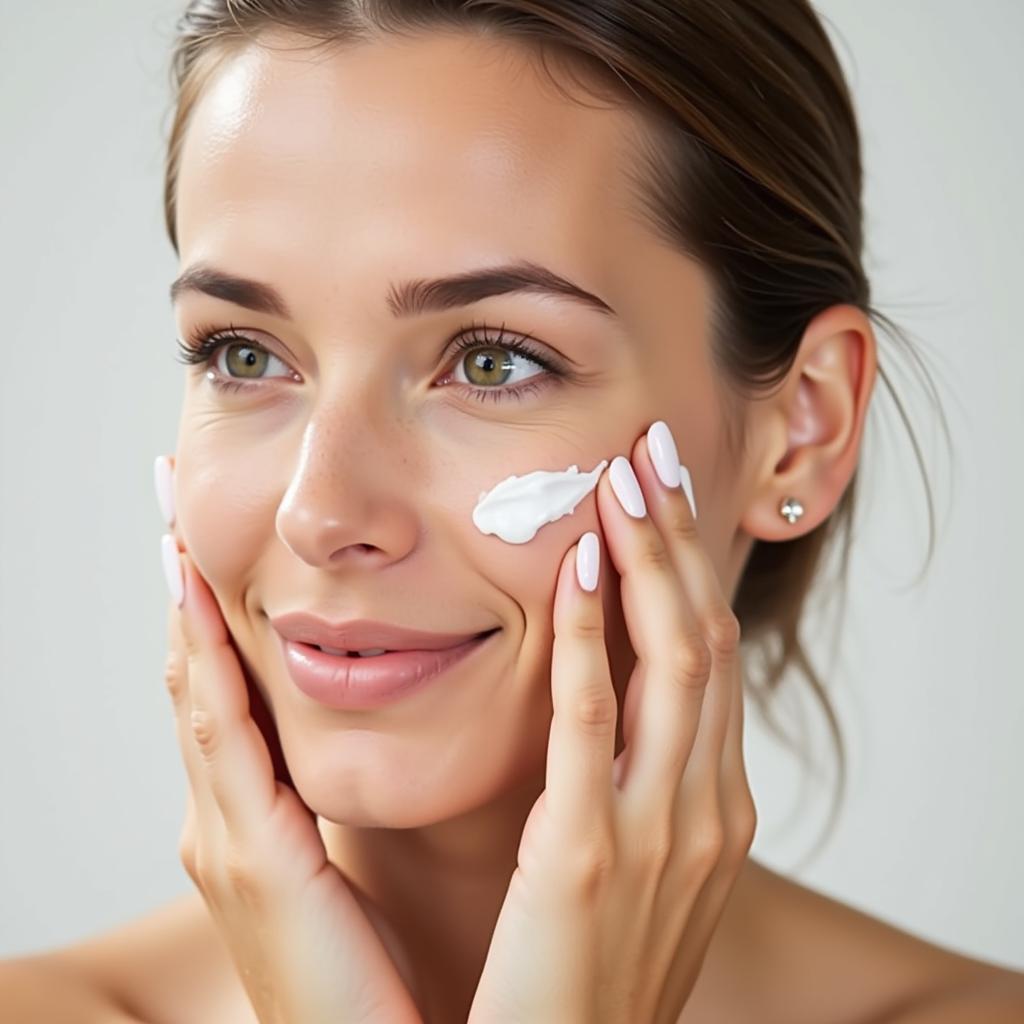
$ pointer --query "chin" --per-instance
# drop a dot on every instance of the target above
(375, 791)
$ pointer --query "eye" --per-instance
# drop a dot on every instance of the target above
(491, 368)
(245, 359)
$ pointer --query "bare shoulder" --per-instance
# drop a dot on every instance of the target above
(788, 954)
(782, 954)
(167, 967)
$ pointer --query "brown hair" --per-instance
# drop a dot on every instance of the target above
(753, 168)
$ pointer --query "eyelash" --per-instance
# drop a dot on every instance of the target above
(205, 341)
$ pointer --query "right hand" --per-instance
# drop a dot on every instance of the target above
(309, 947)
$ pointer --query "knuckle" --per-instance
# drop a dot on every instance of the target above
(206, 733)
(706, 846)
(202, 871)
(745, 822)
(722, 630)
(588, 629)
(595, 711)
(193, 656)
(652, 553)
(591, 868)
(691, 663)
(187, 854)
(175, 679)
(680, 523)
(242, 877)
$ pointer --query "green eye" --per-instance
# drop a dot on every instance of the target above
(245, 360)
(488, 366)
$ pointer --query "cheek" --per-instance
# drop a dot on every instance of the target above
(527, 575)
(527, 572)
(223, 510)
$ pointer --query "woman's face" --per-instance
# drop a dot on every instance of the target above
(341, 478)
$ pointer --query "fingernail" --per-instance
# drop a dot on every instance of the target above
(627, 487)
(662, 447)
(163, 478)
(172, 568)
(588, 561)
(687, 483)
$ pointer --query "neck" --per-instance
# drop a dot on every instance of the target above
(439, 889)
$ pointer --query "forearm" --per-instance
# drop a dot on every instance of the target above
(34, 991)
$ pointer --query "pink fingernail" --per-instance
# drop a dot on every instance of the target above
(588, 561)
(662, 447)
(627, 487)
(163, 478)
(172, 568)
(687, 485)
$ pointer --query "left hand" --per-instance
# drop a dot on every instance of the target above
(626, 863)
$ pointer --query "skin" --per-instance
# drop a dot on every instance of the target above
(348, 490)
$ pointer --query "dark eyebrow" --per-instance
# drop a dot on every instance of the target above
(407, 298)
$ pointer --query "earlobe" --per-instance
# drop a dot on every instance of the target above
(817, 421)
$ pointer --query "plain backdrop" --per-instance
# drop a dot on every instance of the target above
(927, 679)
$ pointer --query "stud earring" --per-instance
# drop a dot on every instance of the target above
(791, 509)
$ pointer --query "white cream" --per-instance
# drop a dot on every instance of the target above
(517, 507)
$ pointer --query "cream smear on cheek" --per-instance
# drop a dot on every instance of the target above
(517, 507)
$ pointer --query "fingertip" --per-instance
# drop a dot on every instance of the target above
(588, 561)
(173, 572)
(163, 481)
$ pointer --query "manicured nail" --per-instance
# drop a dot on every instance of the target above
(627, 487)
(172, 568)
(163, 478)
(687, 483)
(662, 447)
(588, 560)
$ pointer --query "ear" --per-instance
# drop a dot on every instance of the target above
(812, 427)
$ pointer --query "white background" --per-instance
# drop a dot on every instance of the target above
(928, 684)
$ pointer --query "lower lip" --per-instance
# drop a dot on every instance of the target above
(358, 684)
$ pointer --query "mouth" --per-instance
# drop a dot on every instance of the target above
(362, 680)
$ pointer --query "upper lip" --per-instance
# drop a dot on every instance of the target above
(363, 634)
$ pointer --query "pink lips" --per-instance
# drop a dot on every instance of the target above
(362, 634)
(355, 683)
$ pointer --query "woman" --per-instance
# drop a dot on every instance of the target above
(461, 284)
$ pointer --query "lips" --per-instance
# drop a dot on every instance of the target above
(364, 634)
(359, 684)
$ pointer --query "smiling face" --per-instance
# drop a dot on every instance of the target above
(341, 478)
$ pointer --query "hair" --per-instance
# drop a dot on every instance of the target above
(753, 168)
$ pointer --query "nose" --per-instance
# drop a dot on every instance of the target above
(348, 503)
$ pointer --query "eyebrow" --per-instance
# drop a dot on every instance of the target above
(404, 299)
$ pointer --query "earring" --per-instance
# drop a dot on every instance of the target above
(791, 509)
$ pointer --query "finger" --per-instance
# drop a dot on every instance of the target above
(739, 809)
(232, 751)
(664, 632)
(176, 679)
(578, 781)
(671, 512)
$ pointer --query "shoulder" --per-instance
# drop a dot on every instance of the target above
(781, 954)
(786, 953)
(165, 967)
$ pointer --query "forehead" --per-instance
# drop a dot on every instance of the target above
(452, 144)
